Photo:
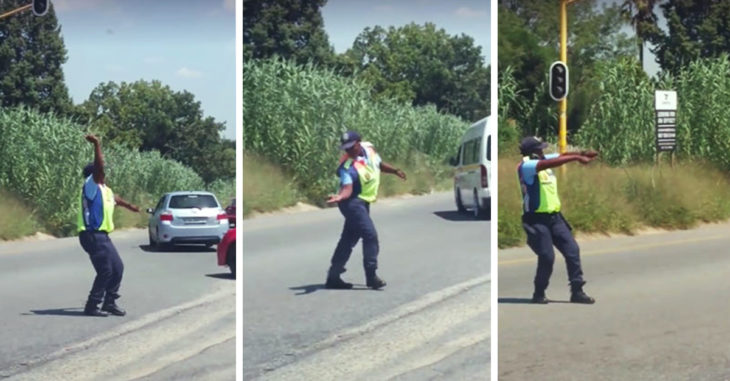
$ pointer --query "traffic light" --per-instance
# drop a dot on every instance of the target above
(40, 7)
(558, 80)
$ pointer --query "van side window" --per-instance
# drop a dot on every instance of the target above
(471, 151)
(466, 153)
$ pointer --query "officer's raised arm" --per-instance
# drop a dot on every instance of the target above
(98, 159)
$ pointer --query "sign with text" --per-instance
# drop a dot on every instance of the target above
(665, 108)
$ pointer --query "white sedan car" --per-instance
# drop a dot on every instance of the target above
(187, 218)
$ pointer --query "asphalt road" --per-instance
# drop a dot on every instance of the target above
(661, 311)
(180, 322)
(430, 322)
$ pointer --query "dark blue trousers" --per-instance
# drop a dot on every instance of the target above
(358, 224)
(107, 263)
(545, 230)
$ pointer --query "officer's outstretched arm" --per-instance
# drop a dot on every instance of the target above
(121, 202)
(589, 153)
(345, 193)
(562, 159)
(387, 168)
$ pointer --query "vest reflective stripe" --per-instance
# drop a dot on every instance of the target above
(107, 222)
(548, 183)
(368, 174)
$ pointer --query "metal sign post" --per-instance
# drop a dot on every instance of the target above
(665, 110)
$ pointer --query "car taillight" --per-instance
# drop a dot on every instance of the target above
(222, 216)
(166, 217)
(485, 183)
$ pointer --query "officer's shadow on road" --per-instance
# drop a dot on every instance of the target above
(456, 216)
(310, 288)
(77, 311)
(177, 249)
(524, 301)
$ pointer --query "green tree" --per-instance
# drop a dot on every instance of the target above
(290, 29)
(640, 14)
(423, 65)
(31, 54)
(151, 116)
(529, 34)
(696, 29)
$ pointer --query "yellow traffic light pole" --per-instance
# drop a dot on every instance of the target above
(14, 11)
(563, 106)
(563, 129)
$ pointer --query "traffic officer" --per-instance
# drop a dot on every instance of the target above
(95, 222)
(359, 173)
(544, 224)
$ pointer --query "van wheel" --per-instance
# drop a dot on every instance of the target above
(231, 260)
(459, 205)
(477, 206)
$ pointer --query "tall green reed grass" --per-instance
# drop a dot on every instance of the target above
(43, 156)
(295, 116)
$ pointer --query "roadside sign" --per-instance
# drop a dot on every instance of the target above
(665, 109)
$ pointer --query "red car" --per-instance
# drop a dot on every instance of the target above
(227, 251)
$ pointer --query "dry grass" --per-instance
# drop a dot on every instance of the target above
(602, 199)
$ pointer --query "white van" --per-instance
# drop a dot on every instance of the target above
(473, 169)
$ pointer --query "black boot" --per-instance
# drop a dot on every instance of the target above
(113, 309)
(373, 281)
(334, 282)
(538, 297)
(578, 296)
(92, 309)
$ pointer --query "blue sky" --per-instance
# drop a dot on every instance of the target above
(344, 20)
(186, 44)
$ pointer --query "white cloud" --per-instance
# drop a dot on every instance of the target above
(467, 12)
(229, 5)
(188, 73)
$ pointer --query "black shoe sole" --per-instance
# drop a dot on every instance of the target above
(583, 301)
(338, 286)
(377, 286)
(96, 313)
(114, 312)
(539, 301)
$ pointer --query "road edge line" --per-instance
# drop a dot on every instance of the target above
(399, 312)
(124, 329)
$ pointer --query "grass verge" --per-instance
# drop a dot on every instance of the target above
(600, 199)
(267, 187)
(16, 218)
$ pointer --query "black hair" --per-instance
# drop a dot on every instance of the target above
(88, 170)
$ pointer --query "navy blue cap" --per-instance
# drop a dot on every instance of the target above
(348, 139)
(531, 144)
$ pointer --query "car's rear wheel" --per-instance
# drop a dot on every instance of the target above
(231, 259)
(459, 204)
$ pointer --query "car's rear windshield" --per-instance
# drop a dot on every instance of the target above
(190, 201)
